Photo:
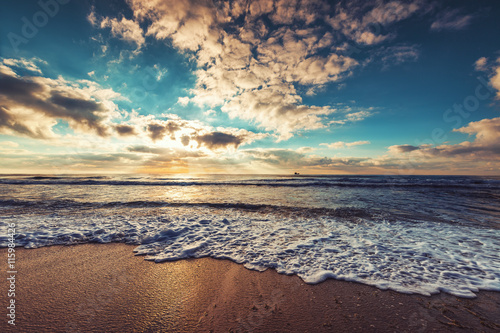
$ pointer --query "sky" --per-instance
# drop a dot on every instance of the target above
(250, 87)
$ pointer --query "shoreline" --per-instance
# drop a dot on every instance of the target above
(105, 287)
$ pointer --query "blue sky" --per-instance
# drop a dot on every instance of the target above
(367, 87)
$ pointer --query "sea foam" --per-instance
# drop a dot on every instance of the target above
(410, 257)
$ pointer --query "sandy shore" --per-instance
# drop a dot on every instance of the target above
(104, 288)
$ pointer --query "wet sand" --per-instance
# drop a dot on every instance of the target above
(105, 288)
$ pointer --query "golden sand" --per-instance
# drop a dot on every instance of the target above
(105, 288)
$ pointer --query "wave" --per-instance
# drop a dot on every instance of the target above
(343, 212)
(401, 256)
(441, 183)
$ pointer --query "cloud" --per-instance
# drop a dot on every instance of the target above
(495, 79)
(492, 69)
(127, 30)
(183, 101)
(218, 139)
(347, 114)
(166, 153)
(398, 54)
(27, 64)
(485, 146)
(32, 105)
(365, 26)
(158, 131)
(401, 149)
(481, 64)
(451, 20)
(172, 131)
(487, 137)
(289, 159)
(125, 130)
(124, 29)
(247, 67)
(341, 144)
(9, 144)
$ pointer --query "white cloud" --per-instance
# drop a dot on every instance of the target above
(484, 147)
(250, 72)
(495, 79)
(127, 30)
(184, 101)
(9, 144)
(28, 64)
(342, 144)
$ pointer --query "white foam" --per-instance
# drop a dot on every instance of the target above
(423, 258)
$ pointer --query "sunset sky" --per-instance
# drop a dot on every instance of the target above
(200, 86)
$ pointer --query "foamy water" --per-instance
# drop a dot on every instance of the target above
(410, 234)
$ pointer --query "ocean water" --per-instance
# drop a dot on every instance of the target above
(412, 234)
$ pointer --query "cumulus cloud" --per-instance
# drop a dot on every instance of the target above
(183, 101)
(492, 69)
(125, 130)
(495, 79)
(124, 29)
(158, 131)
(218, 139)
(172, 131)
(486, 143)
(342, 144)
(451, 20)
(255, 57)
(251, 69)
(127, 30)
(403, 148)
(32, 105)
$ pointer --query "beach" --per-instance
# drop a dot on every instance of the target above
(104, 287)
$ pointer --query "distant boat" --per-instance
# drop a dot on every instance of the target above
(297, 173)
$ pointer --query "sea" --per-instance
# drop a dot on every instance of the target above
(411, 234)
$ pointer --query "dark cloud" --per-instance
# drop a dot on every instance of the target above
(158, 131)
(15, 87)
(125, 130)
(148, 150)
(185, 140)
(404, 148)
(59, 102)
(85, 112)
(216, 140)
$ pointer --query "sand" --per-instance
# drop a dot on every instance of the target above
(105, 288)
